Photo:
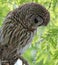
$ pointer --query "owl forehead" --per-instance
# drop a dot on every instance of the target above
(33, 8)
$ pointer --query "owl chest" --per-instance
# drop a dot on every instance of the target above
(25, 45)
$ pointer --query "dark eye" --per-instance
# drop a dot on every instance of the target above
(35, 20)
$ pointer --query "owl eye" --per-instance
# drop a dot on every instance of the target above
(35, 20)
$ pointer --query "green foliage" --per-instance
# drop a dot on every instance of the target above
(44, 48)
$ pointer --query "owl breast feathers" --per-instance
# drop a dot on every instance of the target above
(19, 27)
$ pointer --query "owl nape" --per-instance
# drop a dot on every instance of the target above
(18, 30)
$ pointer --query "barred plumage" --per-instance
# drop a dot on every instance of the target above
(19, 28)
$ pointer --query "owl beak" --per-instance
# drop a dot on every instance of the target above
(40, 24)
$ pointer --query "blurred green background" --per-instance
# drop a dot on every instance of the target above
(44, 48)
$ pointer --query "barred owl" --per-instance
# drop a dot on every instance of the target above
(19, 28)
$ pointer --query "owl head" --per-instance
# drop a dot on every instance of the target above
(32, 15)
